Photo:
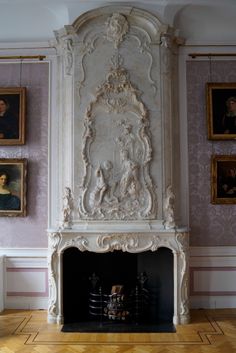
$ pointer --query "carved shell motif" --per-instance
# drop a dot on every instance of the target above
(117, 27)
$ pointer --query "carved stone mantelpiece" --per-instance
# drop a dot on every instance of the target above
(115, 145)
(108, 241)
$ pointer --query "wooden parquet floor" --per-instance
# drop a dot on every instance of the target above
(210, 331)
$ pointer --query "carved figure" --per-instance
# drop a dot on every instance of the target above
(110, 182)
(127, 139)
(67, 208)
(100, 188)
(129, 182)
(105, 186)
(169, 208)
(68, 59)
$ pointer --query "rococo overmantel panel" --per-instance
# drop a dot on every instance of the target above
(115, 181)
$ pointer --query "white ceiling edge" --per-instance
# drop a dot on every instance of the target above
(198, 21)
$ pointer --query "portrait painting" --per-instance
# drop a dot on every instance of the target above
(12, 115)
(221, 111)
(13, 187)
(223, 179)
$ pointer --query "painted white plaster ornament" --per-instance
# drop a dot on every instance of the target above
(169, 204)
(67, 208)
(117, 27)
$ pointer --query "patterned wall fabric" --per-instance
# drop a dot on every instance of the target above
(29, 231)
(211, 225)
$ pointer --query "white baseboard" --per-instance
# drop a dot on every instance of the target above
(211, 302)
(26, 303)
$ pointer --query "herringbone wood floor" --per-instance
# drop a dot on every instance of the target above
(210, 331)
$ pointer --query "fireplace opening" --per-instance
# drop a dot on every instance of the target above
(118, 291)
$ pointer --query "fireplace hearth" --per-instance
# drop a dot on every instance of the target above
(133, 290)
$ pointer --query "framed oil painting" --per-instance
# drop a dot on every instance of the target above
(223, 179)
(12, 115)
(13, 187)
(221, 111)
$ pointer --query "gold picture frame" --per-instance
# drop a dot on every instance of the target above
(221, 111)
(12, 115)
(223, 179)
(13, 174)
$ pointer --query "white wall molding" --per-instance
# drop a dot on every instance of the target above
(23, 252)
(214, 256)
(198, 251)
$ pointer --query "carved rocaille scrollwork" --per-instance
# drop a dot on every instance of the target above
(124, 242)
(78, 242)
(133, 242)
(119, 186)
(54, 241)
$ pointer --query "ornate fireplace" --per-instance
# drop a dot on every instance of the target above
(114, 166)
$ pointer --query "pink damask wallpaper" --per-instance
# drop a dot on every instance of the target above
(210, 225)
(29, 231)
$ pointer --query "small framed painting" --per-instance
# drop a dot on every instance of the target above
(12, 115)
(221, 111)
(223, 179)
(13, 187)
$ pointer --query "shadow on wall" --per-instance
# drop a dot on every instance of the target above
(207, 24)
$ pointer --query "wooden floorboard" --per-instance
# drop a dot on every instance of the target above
(212, 331)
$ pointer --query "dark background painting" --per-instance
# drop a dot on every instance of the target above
(219, 98)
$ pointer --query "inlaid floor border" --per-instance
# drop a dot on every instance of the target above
(33, 338)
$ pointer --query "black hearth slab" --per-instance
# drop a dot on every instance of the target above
(89, 326)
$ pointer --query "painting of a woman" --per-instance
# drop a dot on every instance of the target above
(8, 201)
(12, 187)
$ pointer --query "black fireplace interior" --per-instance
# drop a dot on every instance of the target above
(114, 270)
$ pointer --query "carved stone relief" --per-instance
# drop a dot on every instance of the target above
(116, 153)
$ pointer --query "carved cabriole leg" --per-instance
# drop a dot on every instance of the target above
(183, 280)
(53, 243)
(184, 288)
